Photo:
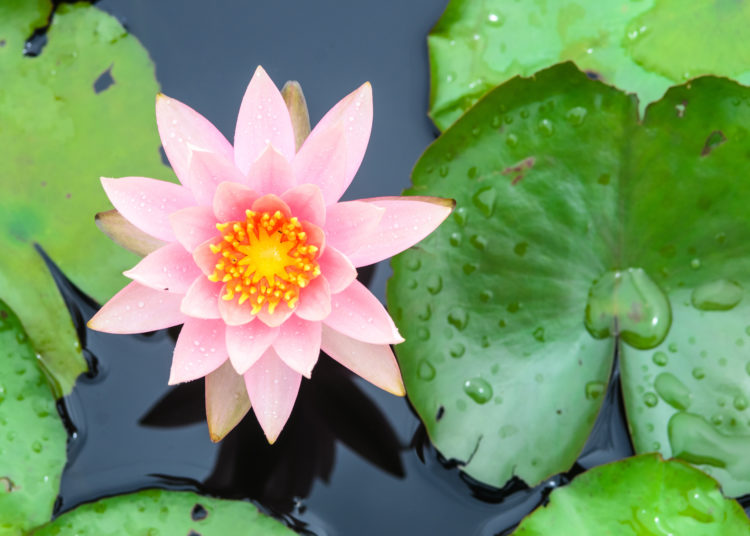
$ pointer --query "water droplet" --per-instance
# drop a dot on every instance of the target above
(426, 313)
(469, 268)
(455, 239)
(511, 140)
(434, 284)
(485, 296)
(630, 304)
(425, 370)
(472, 172)
(576, 116)
(594, 390)
(478, 242)
(411, 283)
(36, 446)
(603, 179)
(719, 295)
(413, 264)
(513, 307)
(672, 347)
(697, 441)
(484, 200)
(695, 264)
(699, 373)
(546, 128)
(458, 318)
(520, 248)
(478, 390)
(495, 19)
(444, 170)
(672, 390)
(650, 399)
(524, 114)
(539, 334)
(660, 359)
(457, 349)
(21, 337)
(423, 333)
(496, 121)
(740, 403)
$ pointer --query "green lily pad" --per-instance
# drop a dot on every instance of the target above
(154, 512)
(638, 496)
(641, 47)
(576, 228)
(60, 134)
(32, 449)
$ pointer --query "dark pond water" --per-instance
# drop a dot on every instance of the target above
(353, 459)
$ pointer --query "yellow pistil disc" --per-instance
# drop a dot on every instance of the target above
(264, 260)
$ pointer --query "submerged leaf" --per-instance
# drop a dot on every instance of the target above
(577, 226)
(61, 131)
(640, 47)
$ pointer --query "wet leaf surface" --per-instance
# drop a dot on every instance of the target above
(64, 127)
(32, 449)
(570, 234)
(641, 47)
(165, 512)
(638, 496)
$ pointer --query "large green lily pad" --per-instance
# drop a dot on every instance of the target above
(32, 448)
(59, 135)
(642, 47)
(577, 228)
(638, 496)
(154, 512)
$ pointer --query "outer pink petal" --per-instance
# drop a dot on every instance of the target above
(359, 314)
(354, 114)
(374, 362)
(202, 299)
(204, 258)
(182, 129)
(322, 161)
(271, 203)
(350, 223)
(272, 388)
(200, 349)
(226, 401)
(314, 300)
(337, 269)
(147, 203)
(263, 119)
(207, 171)
(231, 200)
(270, 173)
(137, 309)
(298, 344)
(406, 221)
(247, 343)
(169, 268)
(233, 313)
(306, 203)
(193, 225)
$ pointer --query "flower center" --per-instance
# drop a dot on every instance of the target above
(264, 260)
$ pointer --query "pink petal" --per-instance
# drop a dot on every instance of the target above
(314, 300)
(137, 309)
(315, 236)
(270, 173)
(169, 268)
(233, 313)
(374, 362)
(193, 225)
(337, 269)
(182, 129)
(202, 299)
(147, 203)
(204, 258)
(359, 314)
(115, 226)
(263, 119)
(272, 388)
(231, 200)
(322, 161)
(406, 221)
(298, 344)
(271, 203)
(353, 114)
(247, 343)
(226, 401)
(275, 319)
(350, 223)
(306, 203)
(207, 171)
(200, 349)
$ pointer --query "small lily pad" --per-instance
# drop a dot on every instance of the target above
(61, 131)
(641, 47)
(32, 450)
(638, 496)
(153, 512)
(571, 237)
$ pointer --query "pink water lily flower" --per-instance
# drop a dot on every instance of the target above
(259, 257)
